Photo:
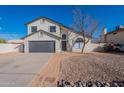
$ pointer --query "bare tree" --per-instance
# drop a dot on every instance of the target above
(85, 24)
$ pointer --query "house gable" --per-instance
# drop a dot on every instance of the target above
(39, 34)
(45, 23)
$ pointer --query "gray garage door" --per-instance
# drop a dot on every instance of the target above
(42, 46)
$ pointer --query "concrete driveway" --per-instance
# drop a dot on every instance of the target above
(18, 69)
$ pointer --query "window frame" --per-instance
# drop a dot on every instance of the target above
(51, 27)
(64, 37)
(33, 30)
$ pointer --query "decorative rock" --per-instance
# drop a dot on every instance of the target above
(72, 84)
(94, 85)
(98, 84)
(58, 84)
(120, 84)
(114, 84)
(84, 84)
(66, 84)
(89, 84)
(62, 83)
(106, 84)
(79, 83)
(117, 83)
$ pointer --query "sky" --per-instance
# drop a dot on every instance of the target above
(13, 18)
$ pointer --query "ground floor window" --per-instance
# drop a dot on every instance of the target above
(78, 43)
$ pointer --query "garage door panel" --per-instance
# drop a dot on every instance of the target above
(41, 46)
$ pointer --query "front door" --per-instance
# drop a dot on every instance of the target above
(64, 46)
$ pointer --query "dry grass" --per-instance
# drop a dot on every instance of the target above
(76, 66)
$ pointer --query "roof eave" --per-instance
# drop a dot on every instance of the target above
(40, 31)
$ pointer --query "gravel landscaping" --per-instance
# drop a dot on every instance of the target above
(89, 69)
(93, 67)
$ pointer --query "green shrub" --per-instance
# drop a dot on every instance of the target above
(2, 41)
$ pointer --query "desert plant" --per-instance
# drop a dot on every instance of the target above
(2, 41)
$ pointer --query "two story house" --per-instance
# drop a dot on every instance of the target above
(47, 35)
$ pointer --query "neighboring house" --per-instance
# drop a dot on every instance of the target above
(116, 36)
(47, 35)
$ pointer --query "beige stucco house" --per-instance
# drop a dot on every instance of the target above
(116, 36)
(47, 35)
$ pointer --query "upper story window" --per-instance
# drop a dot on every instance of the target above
(33, 29)
(64, 37)
(52, 28)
